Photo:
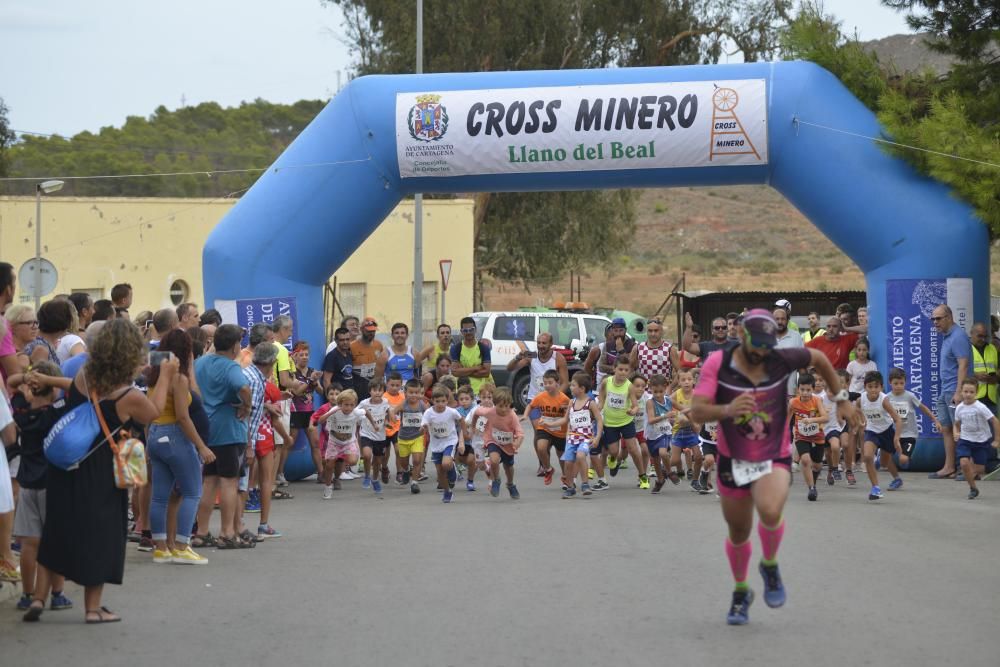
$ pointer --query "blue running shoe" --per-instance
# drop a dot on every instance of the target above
(495, 488)
(24, 602)
(448, 495)
(252, 505)
(366, 483)
(514, 493)
(774, 590)
(875, 493)
(58, 602)
(895, 484)
(739, 612)
(568, 493)
(376, 486)
(469, 486)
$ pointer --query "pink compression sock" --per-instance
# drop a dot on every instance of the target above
(739, 559)
(770, 540)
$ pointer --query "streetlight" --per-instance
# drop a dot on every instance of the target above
(48, 187)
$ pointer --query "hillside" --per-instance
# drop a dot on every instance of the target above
(721, 238)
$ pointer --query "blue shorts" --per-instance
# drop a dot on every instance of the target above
(505, 458)
(835, 433)
(685, 439)
(979, 452)
(654, 446)
(573, 448)
(883, 440)
(944, 410)
(613, 434)
(438, 457)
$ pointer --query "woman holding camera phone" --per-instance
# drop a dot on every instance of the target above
(176, 453)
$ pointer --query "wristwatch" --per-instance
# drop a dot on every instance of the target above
(841, 396)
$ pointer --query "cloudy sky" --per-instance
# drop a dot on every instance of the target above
(71, 66)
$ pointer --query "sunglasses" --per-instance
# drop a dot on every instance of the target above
(468, 330)
(655, 320)
(719, 328)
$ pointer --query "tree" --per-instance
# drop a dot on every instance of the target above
(203, 138)
(526, 237)
(953, 118)
(7, 138)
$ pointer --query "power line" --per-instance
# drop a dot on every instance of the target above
(798, 121)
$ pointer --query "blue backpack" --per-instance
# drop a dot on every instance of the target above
(69, 440)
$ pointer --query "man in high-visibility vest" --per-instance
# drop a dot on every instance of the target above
(984, 365)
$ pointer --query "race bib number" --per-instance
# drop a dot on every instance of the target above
(503, 437)
(874, 416)
(538, 384)
(746, 472)
(902, 409)
(379, 422)
(808, 430)
(579, 420)
(616, 401)
(367, 371)
(481, 424)
(411, 420)
(712, 429)
(442, 431)
(343, 428)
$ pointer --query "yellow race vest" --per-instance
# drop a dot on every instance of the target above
(985, 363)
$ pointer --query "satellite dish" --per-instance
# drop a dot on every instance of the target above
(41, 270)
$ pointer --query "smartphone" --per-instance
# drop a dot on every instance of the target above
(156, 357)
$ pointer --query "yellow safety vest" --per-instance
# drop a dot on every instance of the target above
(808, 335)
(985, 363)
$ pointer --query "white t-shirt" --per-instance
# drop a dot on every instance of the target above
(857, 370)
(342, 427)
(442, 428)
(6, 489)
(477, 425)
(640, 419)
(975, 422)
(380, 413)
(66, 345)
(906, 404)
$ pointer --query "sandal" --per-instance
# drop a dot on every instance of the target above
(204, 541)
(101, 618)
(225, 543)
(249, 538)
(34, 612)
(278, 494)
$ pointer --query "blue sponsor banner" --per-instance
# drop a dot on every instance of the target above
(913, 342)
(253, 311)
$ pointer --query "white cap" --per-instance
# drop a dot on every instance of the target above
(784, 303)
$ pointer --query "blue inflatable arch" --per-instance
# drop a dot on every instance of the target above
(340, 178)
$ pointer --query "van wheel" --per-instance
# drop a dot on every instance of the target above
(520, 391)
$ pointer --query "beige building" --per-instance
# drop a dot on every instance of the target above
(155, 245)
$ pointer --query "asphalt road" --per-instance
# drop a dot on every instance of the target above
(621, 578)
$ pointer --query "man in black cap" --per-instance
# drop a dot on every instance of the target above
(743, 389)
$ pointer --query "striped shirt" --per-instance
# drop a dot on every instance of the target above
(256, 380)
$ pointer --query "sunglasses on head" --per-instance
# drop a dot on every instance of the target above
(655, 320)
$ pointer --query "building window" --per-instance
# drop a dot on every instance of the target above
(179, 292)
(351, 300)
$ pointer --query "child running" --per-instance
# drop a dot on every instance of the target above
(907, 404)
(467, 457)
(373, 437)
(477, 428)
(808, 417)
(618, 410)
(547, 412)
(834, 426)
(342, 426)
(973, 422)
(410, 439)
(395, 397)
(583, 431)
(685, 438)
(326, 477)
(658, 409)
(882, 428)
(443, 426)
(503, 435)
(641, 397)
